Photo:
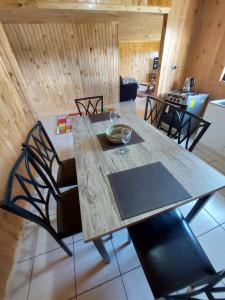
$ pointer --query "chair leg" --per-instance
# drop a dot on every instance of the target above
(59, 241)
(65, 247)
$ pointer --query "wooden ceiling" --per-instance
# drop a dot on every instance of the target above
(139, 27)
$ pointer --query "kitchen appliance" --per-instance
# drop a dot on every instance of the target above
(193, 102)
(188, 84)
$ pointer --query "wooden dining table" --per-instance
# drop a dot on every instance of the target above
(99, 212)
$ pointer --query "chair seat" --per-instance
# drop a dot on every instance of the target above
(68, 214)
(170, 254)
(67, 175)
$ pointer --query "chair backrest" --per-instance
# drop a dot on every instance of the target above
(89, 105)
(39, 142)
(28, 184)
(183, 126)
(154, 108)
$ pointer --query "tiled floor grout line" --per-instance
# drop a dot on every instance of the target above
(107, 281)
(118, 276)
(198, 236)
(119, 268)
(211, 216)
(44, 252)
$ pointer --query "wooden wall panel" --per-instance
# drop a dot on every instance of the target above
(136, 59)
(15, 121)
(194, 42)
(179, 30)
(60, 62)
(206, 55)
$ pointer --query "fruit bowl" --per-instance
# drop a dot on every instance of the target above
(113, 133)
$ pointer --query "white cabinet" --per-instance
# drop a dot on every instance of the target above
(214, 137)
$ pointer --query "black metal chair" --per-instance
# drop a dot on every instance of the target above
(154, 108)
(26, 183)
(89, 105)
(40, 144)
(172, 258)
(183, 126)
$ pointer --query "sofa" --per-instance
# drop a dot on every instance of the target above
(128, 91)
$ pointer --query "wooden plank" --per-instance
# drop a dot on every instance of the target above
(98, 208)
(206, 51)
(103, 7)
(58, 68)
(15, 121)
(136, 59)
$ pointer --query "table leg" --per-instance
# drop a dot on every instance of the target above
(201, 202)
(99, 244)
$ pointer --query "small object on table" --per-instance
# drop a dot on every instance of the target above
(146, 188)
(113, 133)
(107, 145)
(126, 137)
(100, 117)
(113, 116)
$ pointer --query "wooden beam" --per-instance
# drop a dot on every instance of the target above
(102, 7)
(29, 8)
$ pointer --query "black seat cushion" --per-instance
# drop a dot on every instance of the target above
(67, 175)
(170, 254)
(68, 213)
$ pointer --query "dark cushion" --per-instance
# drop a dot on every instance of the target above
(67, 175)
(68, 213)
(169, 253)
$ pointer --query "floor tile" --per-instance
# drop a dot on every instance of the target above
(90, 268)
(45, 242)
(213, 244)
(202, 223)
(53, 276)
(185, 209)
(202, 152)
(19, 281)
(136, 285)
(216, 207)
(125, 253)
(78, 237)
(219, 165)
(112, 290)
(27, 242)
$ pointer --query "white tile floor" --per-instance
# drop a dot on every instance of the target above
(43, 271)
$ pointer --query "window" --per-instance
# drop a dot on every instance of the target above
(222, 78)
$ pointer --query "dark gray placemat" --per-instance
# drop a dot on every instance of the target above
(144, 189)
(107, 145)
(100, 117)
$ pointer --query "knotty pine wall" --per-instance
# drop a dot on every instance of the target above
(136, 59)
(15, 121)
(194, 42)
(206, 56)
(179, 29)
(61, 62)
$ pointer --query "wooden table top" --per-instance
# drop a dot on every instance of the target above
(99, 211)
